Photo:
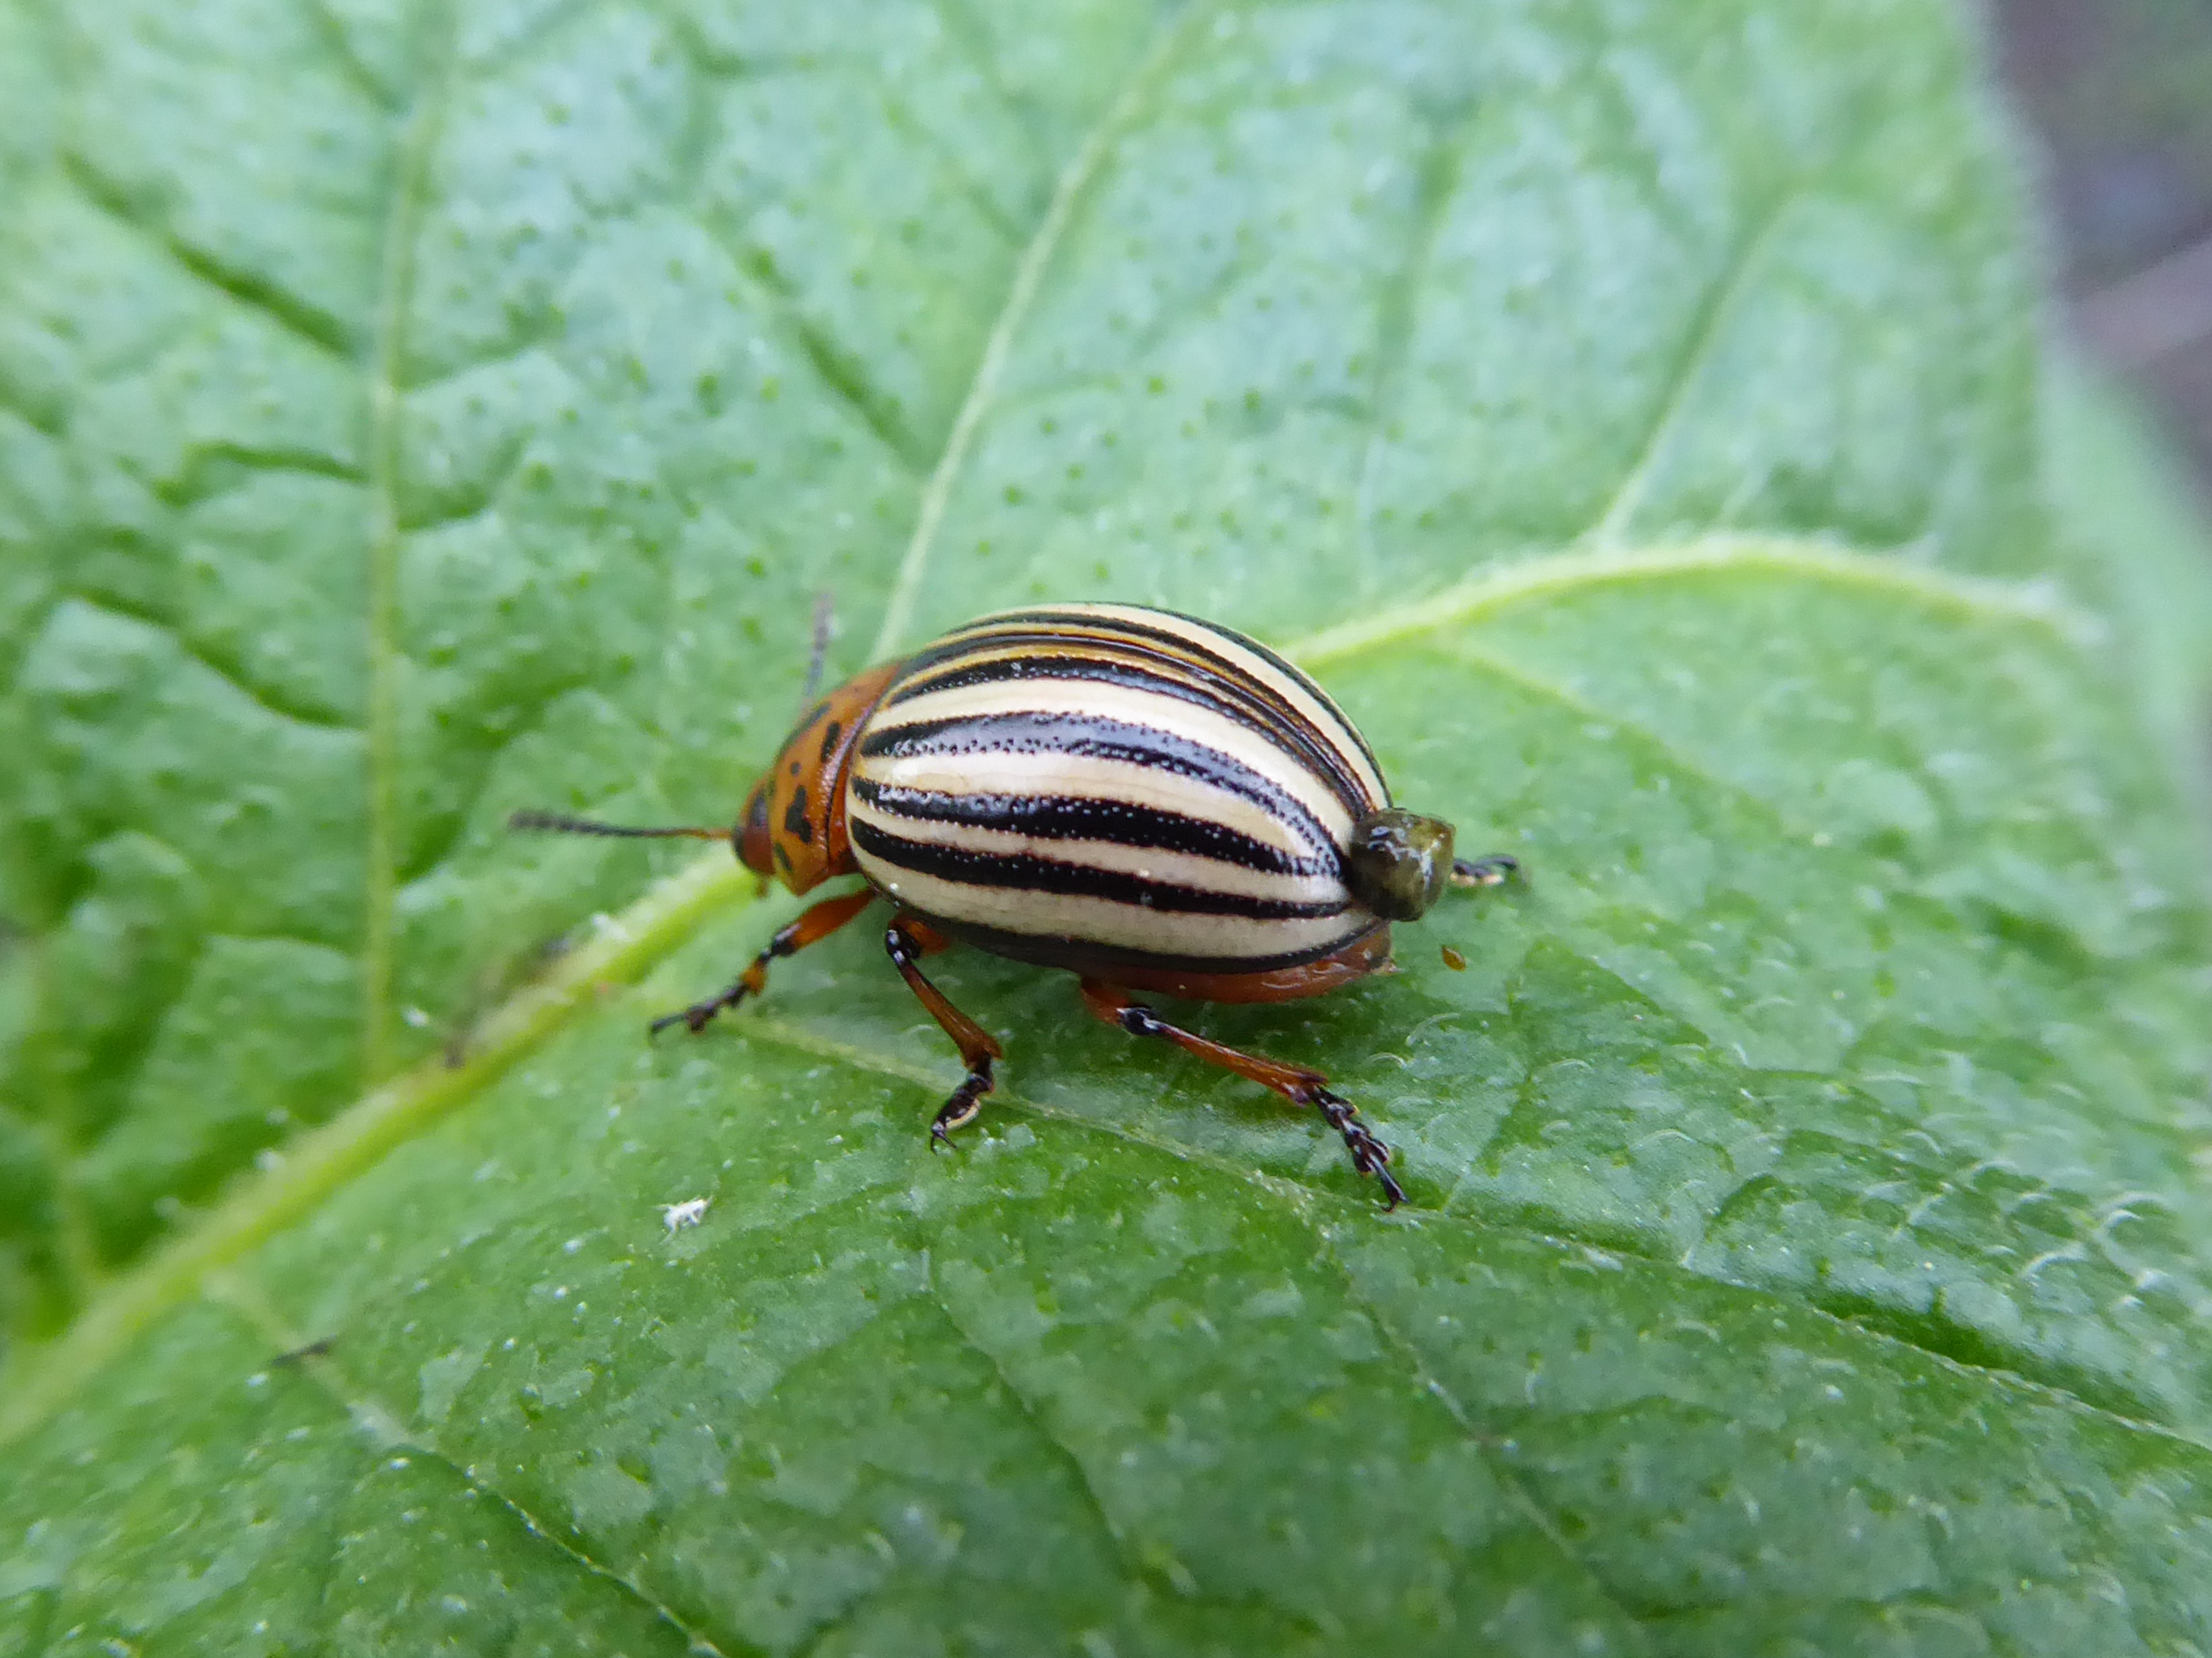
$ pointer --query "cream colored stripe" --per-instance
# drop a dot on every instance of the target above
(1186, 720)
(1147, 863)
(1327, 721)
(1086, 777)
(1105, 921)
(1294, 689)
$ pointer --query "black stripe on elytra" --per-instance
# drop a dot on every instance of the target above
(1153, 674)
(1026, 873)
(1282, 664)
(1191, 655)
(1081, 817)
(1094, 737)
(1190, 674)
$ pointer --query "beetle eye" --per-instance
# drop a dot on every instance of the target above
(1400, 863)
(753, 839)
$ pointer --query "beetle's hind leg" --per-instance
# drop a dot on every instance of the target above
(1294, 1082)
(810, 928)
(908, 942)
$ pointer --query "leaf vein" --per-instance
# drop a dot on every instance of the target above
(301, 318)
(1705, 330)
(1026, 1409)
(395, 282)
(1073, 183)
(1558, 573)
(266, 701)
(371, 1416)
(36, 1382)
(331, 29)
(968, 32)
(1400, 310)
(1510, 673)
(1543, 1519)
(838, 369)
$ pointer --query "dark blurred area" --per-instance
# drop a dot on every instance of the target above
(2118, 93)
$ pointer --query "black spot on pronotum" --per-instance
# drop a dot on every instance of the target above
(795, 768)
(829, 739)
(782, 857)
(795, 821)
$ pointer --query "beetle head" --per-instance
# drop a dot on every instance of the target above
(793, 828)
(1400, 863)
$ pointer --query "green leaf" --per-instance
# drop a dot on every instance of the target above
(1631, 414)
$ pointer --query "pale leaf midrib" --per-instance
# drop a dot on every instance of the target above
(321, 1160)
(38, 1380)
(1542, 575)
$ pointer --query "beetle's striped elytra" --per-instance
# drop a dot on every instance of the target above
(1146, 800)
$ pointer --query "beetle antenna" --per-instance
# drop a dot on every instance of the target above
(558, 823)
(824, 613)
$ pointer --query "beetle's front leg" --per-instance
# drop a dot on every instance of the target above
(810, 928)
(1495, 869)
(1294, 1082)
(907, 940)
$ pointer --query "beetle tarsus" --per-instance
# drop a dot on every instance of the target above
(1140, 1021)
(811, 927)
(696, 1017)
(1495, 869)
(962, 1107)
(1370, 1155)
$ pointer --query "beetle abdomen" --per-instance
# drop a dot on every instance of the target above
(1102, 786)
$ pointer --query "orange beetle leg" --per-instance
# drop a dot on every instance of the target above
(812, 927)
(1294, 1082)
(907, 940)
(926, 938)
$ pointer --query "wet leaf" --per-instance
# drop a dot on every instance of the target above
(1633, 415)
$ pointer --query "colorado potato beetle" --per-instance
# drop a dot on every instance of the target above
(1152, 802)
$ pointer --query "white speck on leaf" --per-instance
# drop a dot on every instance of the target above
(689, 1212)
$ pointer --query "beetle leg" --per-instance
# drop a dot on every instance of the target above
(1494, 870)
(1294, 1082)
(810, 928)
(907, 940)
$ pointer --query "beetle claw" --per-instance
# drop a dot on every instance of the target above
(1370, 1155)
(1494, 870)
